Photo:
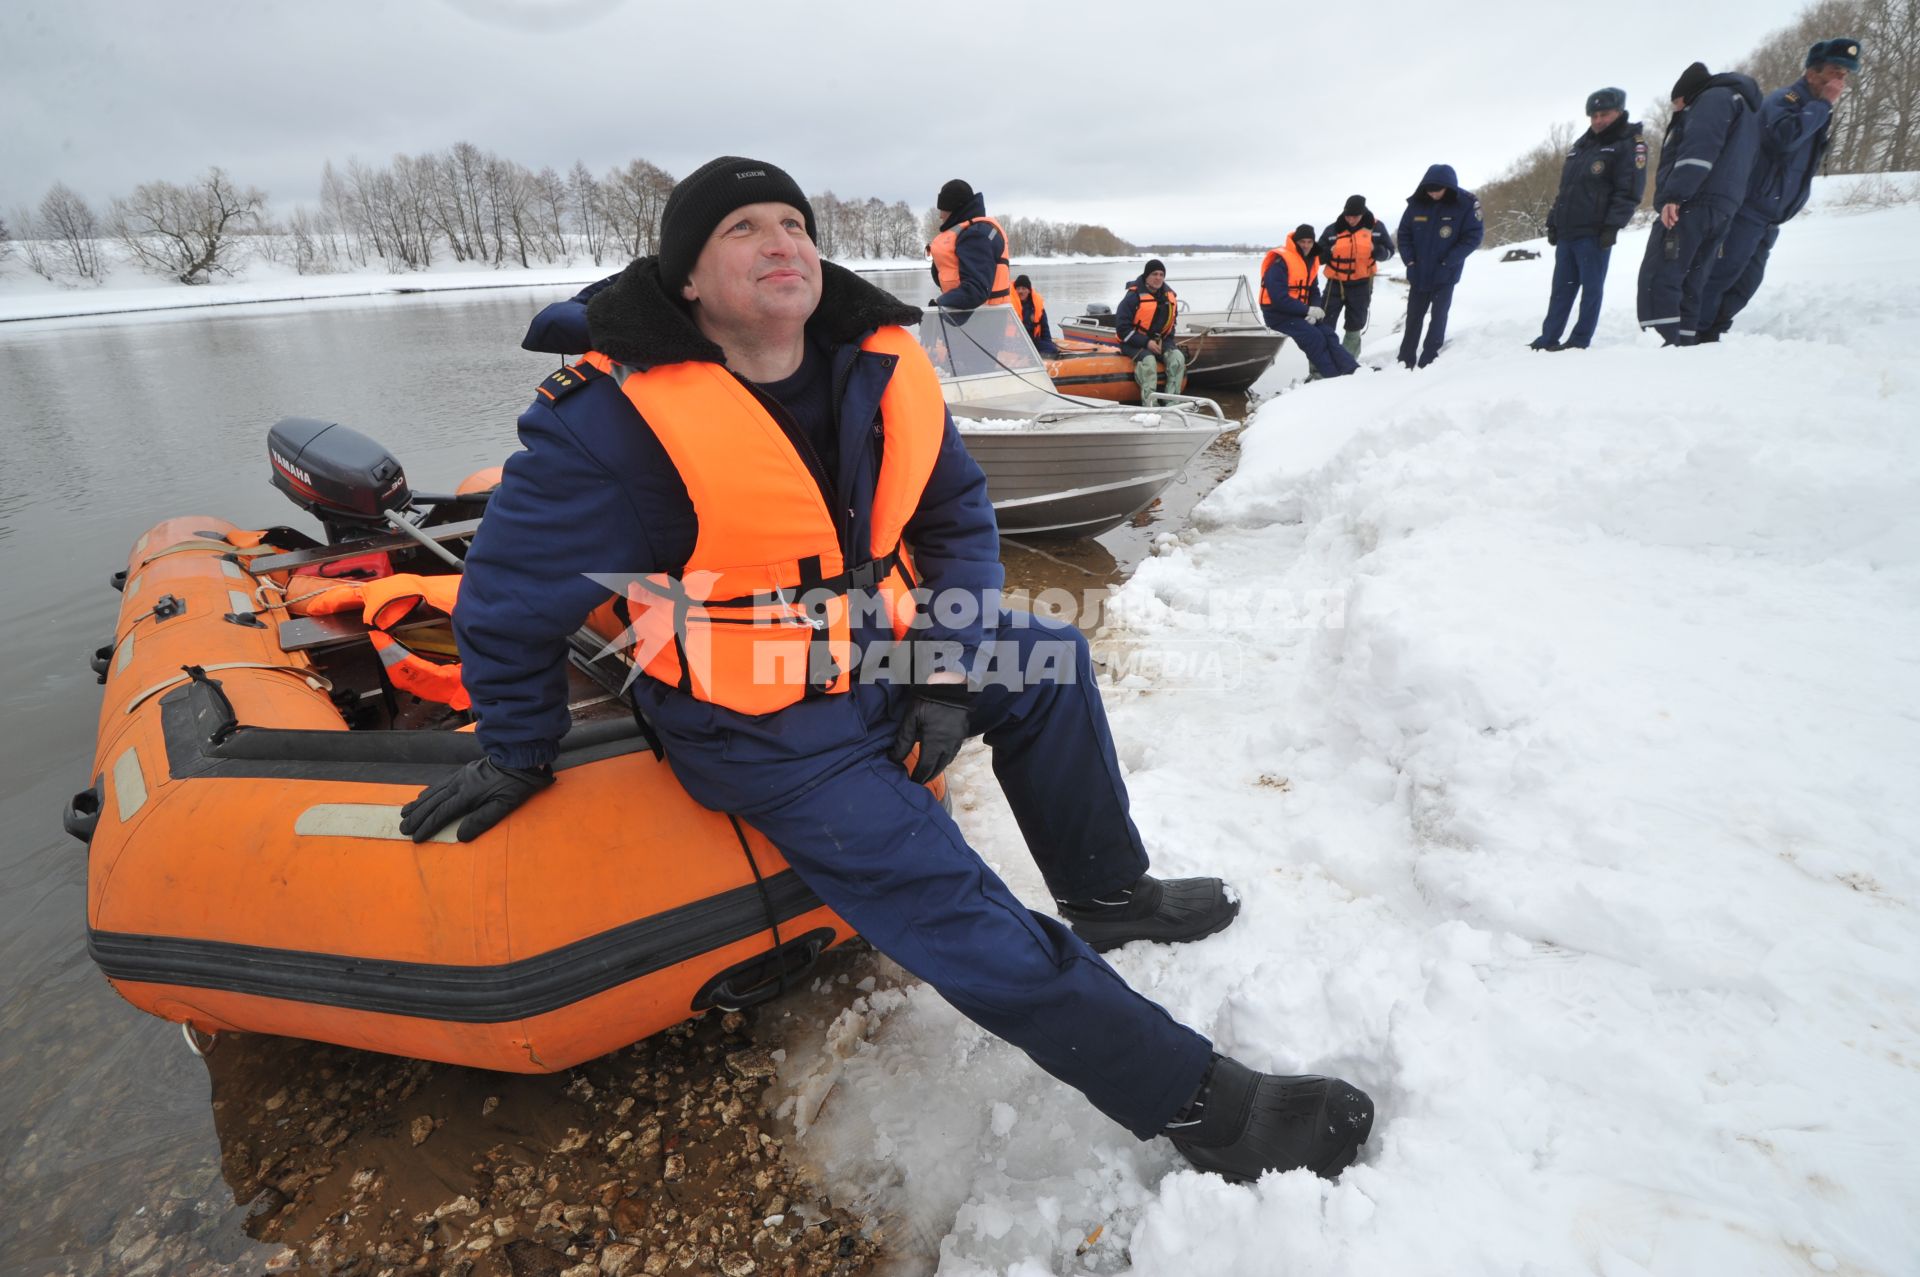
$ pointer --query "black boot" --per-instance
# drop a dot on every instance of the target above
(1243, 1124)
(1165, 912)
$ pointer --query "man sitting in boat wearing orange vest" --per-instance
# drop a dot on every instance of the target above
(1145, 320)
(1033, 315)
(970, 252)
(754, 434)
(1290, 303)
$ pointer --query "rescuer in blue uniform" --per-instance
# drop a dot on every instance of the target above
(1794, 126)
(803, 357)
(1600, 186)
(1440, 228)
(1705, 160)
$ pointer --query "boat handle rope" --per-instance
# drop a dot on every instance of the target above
(212, 547)
(318, 682)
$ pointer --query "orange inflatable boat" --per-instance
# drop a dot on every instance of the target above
(1094, 371)
(245, 865)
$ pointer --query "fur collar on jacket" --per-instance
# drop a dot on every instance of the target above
(634, 321)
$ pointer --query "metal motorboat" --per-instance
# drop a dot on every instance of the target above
(1056, 464)
(1226, 349)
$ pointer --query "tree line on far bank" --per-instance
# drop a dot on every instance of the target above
(1876, 126)
(461, 205)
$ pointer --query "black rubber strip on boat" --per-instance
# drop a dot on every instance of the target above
(194, 715)
(461, 994)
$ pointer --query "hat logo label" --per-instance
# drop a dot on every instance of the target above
(752, 172)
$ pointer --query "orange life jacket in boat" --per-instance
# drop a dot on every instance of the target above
(1148, 318)
(1033, 312)
(946, 262)
(1352, 254)
(385, 604)
(1301, 272)
(760, 618)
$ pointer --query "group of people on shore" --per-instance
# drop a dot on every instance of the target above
(1733, 169)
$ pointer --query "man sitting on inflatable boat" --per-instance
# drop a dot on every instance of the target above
(757, 448)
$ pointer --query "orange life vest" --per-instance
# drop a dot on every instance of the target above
(760, 616)
(1032, 313)
(385, 604)
(1352, 254)
(1148, 318)
(946, 262)
(1301, 272)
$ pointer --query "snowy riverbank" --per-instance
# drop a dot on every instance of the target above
(1583, 838)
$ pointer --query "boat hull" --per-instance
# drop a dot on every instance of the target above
(1077, 481)
(1229, 362)
(246, 869)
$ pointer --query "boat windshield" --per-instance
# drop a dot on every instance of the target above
(970, 343)
(1218, 299)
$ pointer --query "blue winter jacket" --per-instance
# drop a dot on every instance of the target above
(1132, 340)
(1793, 139)
(1601, 182)
(594, 491)
(979, 248)
(1710, 146)
(1436, 235)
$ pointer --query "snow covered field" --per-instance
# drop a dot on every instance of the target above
(1584, 837)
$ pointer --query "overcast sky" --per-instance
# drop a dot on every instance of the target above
(1208, 120)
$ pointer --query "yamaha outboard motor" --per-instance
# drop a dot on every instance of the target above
(338, 475)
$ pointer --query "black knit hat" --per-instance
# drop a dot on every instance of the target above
(1304, 231)
(954, 196)
(704, 196)
(1021, 281)
(1154, 264)
(1606, 100)
(1843, 51)
(1691, 81)
(1355, 204)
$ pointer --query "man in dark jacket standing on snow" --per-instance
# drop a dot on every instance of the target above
(1705, 161)
(1794, 124)
(753, 437)
(1351, 250)
(1601, 183)
(1441, 226)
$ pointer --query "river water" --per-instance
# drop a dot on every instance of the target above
(105, 1117)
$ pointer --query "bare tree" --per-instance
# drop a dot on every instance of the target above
(189, 232)
(585, 202)
(74, 231)
(550, 202)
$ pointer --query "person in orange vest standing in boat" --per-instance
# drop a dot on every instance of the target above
(1033, 315)
(1145, 320)
(1351, 250)
(970, 253)
(1290, 304)
(756, 455)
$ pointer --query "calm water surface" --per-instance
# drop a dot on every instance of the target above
(111, 426)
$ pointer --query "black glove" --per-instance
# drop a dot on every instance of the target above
(483, 791)
(1553, 237)
(935, 717)
(1607, 235)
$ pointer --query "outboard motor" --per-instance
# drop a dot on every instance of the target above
(338, 475)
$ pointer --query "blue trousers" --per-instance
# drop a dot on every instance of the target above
(879, 850)
(1428, 305)
(1674, 272)
(1737, 274)
(1352, 296)
(1323, 350)
(1579, 269)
